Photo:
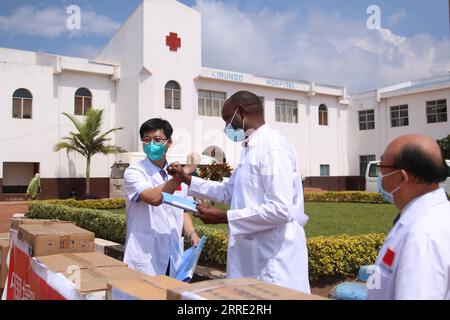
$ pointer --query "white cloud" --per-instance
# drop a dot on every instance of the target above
(51, 22)
(317, 45)
(396, 18)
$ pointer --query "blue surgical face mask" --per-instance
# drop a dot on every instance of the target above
(155, 151)
(388, 196)
(233, 134)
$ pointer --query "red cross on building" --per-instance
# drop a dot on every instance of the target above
(173, 42)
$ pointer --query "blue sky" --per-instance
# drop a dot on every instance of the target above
(409, 26)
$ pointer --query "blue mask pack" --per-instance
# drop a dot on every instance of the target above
(155, 151)
(233, 134)
(388, 196)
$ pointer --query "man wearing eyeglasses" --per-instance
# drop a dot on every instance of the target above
(414, 261)
(154, 243)
(266, 217)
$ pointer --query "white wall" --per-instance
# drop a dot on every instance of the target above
(314, 144)
(32, 140)
(375, 141)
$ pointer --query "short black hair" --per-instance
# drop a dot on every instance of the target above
(154, 124)
(426, 168)
(246, 98)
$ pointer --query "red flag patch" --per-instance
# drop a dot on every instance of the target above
(179, 188)
(388, 258)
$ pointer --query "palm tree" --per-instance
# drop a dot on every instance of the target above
(89, 140)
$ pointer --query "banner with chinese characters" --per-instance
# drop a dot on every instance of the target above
(25, 282)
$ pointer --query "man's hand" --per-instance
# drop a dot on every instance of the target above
(177, 171)
(194, 239)
(211, 215)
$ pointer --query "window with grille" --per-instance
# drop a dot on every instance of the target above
(363, 162)
(399, 116)
(324, 170)
(210, 103)
(22, 104)
(366, 120)
(83, 101)
(323, 115)
(286, 111)
(437, 111)
(173, 95)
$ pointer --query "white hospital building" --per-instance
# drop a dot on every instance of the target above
(152, 68)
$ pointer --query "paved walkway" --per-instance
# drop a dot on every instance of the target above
(7, 209)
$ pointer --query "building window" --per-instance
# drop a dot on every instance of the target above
(366, 120)
(324, 170)
(173, 95)
(83, 101)
(363, 162)
(399, 116)
(210, 103)
(22, 104)
(286, 111)
(437, 111)
(323, 115)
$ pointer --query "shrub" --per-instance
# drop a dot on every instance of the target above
(215, 171)
(100, 204)
(105, 225)
(344, 196)
(329, 257)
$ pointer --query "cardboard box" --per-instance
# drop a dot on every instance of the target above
(116, 251)
(148, 288)
(96, 270)
(237, 289)
(56, 238)
(4, 248)
(16, 222)
(4, 236)
(100, 244)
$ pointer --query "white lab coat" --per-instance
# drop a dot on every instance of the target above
(154, 234)
(414, 261)
(266, 239)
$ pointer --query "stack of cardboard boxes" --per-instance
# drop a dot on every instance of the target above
(4, 247)
(68, 251)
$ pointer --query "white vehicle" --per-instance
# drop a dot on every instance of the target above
(124, 160)
(372, 172)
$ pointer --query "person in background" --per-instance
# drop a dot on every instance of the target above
(34, 187)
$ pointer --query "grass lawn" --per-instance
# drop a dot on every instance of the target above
(328, 219)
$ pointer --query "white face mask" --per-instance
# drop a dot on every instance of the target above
(388, 196)
(233, 134)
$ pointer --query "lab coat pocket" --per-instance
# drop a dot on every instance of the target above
(249, 256)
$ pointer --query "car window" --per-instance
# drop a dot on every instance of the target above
(373, 171)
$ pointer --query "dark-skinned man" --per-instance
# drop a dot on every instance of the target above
(414, 261)
(266, 216)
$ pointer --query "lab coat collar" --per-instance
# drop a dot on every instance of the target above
(253, 138)
(415, 208)
(153, 167)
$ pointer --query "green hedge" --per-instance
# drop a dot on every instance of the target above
(104, 224)
(100, 204)
(329, 257)
(344, 196)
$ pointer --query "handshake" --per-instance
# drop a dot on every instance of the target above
(181, 174)
(208, 214)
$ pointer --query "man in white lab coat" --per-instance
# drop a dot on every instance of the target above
(266, 217)
(154, 242)
(414, 261)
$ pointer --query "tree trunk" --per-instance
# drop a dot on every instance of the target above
(88, 175)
